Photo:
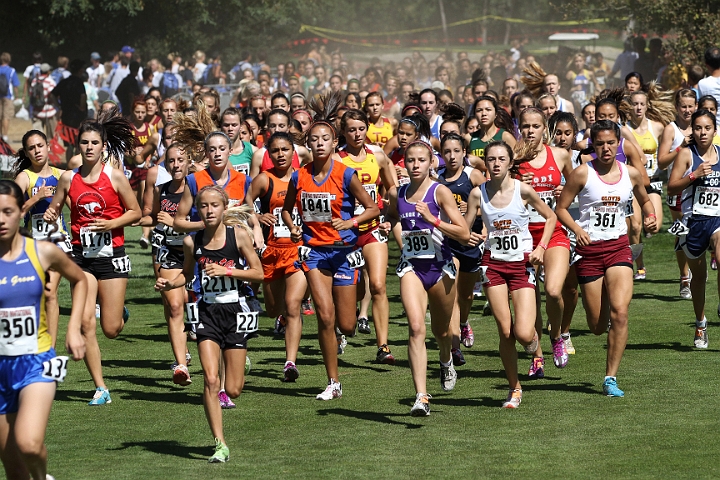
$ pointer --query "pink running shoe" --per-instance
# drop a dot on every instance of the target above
(467, 337)
(560, 355)
(225, 401)
(537, 368)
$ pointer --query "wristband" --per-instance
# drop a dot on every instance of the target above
(692, 177)
(355, 223)
(228, 271)
(677, 150)
(652, 215)
(437, 222)
(542, 245)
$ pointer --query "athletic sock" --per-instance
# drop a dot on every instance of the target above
(702, 323)
(444, 364)
(565, 336)
(288, 363)
(608, 376)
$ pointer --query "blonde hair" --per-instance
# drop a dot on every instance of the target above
(233, 216)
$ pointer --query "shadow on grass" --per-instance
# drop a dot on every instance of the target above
(677, 346)
(580, 387)
(662, 298)
(371, 416)
(289, 391)
(169, 447)
(466, 402)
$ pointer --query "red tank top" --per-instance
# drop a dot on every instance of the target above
(267, 163)
(545, 180)
(398, 158)
(141, 137)
(93, 201)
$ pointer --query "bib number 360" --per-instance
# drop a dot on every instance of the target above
(55, 368)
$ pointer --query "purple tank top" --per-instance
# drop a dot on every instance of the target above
(418, 233)
(619, 156)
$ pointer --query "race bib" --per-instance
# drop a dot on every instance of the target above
(242, 168)
(505, 245)
(316, 206)
(671, 200)
(280, 230)
(355, 259)
(629, 210)
(379, 236)
(678, 229)
(549, 199)
(403, 181)
(706, 201)
(247, 322)
(122, 264)
(221, 289)
(173, 238)
(55, 368)
(18, 331)
(606, 222)
(372, 190)
(41, 229)
(191, 310)
(656, 186)
(403, 267)
(303, 253)
(96, 244)
(418, 244)
(128, 173)
(650, 164)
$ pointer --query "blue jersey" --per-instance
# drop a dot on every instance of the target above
(23, 325)
(701, 199)
(33, 218)
(461, 188)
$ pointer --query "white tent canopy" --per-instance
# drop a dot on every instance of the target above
(560, 37)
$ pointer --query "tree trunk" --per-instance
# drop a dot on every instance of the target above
(484, 22)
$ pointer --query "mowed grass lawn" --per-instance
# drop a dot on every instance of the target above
(665, 427)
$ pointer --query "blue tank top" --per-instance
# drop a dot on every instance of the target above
(33, 218)
(461, 188)
(23, 326)
(421, 240)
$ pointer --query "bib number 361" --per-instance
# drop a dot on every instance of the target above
(55, 368)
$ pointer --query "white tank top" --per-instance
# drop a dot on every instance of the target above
(677, 141)
(508, 235)
(603, 205)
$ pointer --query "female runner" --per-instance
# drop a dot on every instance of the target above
(461, 179)
(544, 165)
(102, 204)
(284, 284)
(38, 179)
(242, 152)
(138, 172)
(375, 171)
(324, 192)
(226, 258)
(410, 129)
(428, 216)
(495, 125)
(605, 270)
(28, 361)
(646, 133)
(565, 128)
(380, 129)
(169, 255)
(152, 117)
(547, 104)
(509, 256)
(696, 173)
(675, 137)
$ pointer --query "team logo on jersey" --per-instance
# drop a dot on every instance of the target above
(91, 205)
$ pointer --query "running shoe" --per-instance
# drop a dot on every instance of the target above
(188, 358)
(569, 347)
(384, 355)
(513, 399)
(611, 389)
(457, 357)
(333, 390)
(537, 368)
(701, 338)
(290, 372)
(144, 243)
(421, 407)
(192, 336)
(487, 310)
(640, 275)
(49, 477)
(448, 377)
(280, 323)
(713, 264)
(532, 347)
(101, 397)
(477, 291)
(363, 325)
(248, 364)
(560, 355)
(225, 401)
(126, 314)
(307, 308)
(467, 337)
(222, 453)
(97, 311)
(685, 292)
(181, 376)
(342, 343)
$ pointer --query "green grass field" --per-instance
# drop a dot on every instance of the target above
(665, 427)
